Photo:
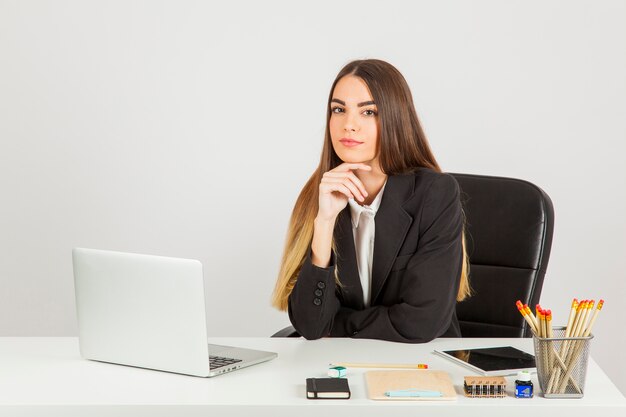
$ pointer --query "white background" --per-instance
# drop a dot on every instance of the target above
(187, 129)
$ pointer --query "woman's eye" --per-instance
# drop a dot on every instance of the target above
(370, 112)
(336, 110)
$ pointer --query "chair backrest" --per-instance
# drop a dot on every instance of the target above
(509, 225)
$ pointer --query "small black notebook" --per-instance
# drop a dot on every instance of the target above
(327, 388)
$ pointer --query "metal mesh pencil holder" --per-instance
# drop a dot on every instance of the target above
(562, 364)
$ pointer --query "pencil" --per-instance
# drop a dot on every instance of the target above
(583, 318)
(551, 350)
(542, 314)
(572, 313)
(577, 317)
(538, 323)
(549, 323)
(541, 318)
(531, 323)
(593, 319)
(532, 316)
(382, 365)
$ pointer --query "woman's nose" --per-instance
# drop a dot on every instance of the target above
(351, 123)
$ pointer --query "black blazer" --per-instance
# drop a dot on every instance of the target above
(415, 273)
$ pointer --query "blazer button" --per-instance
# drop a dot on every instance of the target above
(317, 301)
(319, 292)
(321, 285)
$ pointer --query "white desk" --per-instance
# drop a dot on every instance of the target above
(47, 377)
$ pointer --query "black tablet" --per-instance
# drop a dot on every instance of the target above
(502, 360)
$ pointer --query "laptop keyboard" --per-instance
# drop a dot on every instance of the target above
(218, 361)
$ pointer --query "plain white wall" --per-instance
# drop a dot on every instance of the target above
(188, 128)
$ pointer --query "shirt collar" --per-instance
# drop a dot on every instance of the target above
(356, 209)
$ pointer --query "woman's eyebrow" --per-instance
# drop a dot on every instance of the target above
(361, 104)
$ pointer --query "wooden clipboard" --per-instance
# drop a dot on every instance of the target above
(379, 382)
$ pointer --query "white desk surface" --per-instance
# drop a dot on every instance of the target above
(45, 376)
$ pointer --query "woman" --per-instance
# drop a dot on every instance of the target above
(375, 243)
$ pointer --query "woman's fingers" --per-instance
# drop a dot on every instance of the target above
(346, 169)
(351, 176)
(343, 181)
(348, 183)
(338, 187)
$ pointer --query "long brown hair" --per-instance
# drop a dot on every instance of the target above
(402, 148)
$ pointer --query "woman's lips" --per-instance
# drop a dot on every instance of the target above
(349, 142)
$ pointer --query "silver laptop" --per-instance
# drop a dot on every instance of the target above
(149, 311)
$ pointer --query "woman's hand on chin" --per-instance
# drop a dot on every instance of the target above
(337, 186)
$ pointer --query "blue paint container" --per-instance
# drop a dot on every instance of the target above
(523, 385)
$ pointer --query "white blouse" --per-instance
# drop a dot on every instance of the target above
(363, 231)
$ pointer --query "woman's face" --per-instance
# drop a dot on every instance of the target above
(354, 121)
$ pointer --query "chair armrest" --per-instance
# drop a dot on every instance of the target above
(288, 331)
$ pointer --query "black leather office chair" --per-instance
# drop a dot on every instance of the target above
(509, 225)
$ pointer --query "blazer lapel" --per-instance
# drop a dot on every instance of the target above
(392, 223)
(346, 261)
